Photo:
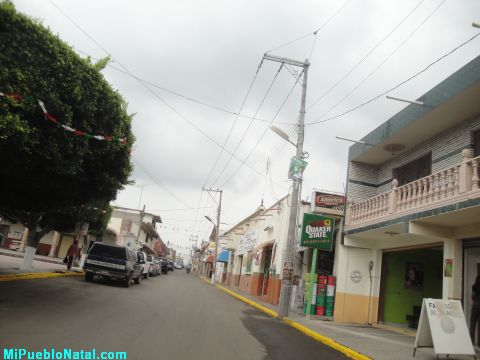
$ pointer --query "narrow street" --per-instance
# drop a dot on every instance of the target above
(177, 316)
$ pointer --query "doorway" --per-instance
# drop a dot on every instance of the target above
(266, 270)
(408, 276)
(471, 266)
(239, 270)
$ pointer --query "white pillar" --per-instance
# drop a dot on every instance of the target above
(452, 286)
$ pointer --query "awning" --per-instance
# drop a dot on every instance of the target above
(223, 256)
(262, 245)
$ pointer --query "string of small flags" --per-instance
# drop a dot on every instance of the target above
(51, 118)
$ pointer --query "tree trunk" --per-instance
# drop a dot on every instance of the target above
(30, 250)
(34, 238)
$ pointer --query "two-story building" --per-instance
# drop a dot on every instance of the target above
(135, 229)
(412, 227)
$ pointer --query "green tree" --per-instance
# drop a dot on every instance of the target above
(48, 170)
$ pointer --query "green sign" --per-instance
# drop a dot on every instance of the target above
(317, 231)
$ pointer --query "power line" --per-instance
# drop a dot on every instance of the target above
(189, 98)
(396, 86)
(233, 125)
(266, 130)
(384, 60)
(365, 56)
(315, 31)
(249, 125)
(148, 88)
(155, 179)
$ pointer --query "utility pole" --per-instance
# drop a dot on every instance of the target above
(287, 273)
(217, 230)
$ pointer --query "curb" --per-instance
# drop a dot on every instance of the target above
(305, 330)
(30, 276)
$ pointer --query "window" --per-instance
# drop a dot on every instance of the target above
(414, 170)
(476, 143)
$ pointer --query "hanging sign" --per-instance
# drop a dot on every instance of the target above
(327, 201)
(317, 231)
(297, 166)
(442, 326)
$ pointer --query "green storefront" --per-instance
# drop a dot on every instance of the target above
(407, 278)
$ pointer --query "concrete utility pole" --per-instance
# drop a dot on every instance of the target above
(217, 230)
(287, 273)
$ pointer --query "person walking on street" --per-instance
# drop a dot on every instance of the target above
(475, 314)
(72, 253)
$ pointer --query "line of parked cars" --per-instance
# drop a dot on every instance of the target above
(123, 264)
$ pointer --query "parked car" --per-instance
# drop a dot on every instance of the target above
(171, 267)
(113, 262)
(164, 266)
(177, 266)
(154, 267)
(142, 258)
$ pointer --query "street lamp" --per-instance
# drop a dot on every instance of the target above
(282, 134)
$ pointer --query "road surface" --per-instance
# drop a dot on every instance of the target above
(175, 316)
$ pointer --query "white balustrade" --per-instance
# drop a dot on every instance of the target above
(443, 186)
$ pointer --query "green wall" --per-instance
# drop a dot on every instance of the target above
(398, 300)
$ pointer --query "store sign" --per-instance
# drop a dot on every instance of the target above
(328, 201)
(317, 231)
(249, 240)
(442, 325)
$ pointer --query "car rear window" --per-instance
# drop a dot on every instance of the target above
(108, 251)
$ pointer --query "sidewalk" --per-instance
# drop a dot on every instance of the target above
(376, 342)
(10, 262)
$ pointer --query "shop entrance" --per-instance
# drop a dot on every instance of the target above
(471, 269)
(266, 269)
(407, 278)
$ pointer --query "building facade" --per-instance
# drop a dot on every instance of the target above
(412, 227)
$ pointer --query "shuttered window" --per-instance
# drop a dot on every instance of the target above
(414, 170)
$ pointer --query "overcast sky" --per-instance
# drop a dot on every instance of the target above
(210, 51)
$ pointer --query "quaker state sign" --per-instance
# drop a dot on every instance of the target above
(317, 231)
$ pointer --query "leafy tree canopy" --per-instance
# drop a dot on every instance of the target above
(47, 169)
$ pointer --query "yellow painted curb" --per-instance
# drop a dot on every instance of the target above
(323, 339)
(249, 302)
(327, 341)
(29, 276)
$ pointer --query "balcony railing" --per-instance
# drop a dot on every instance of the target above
(455, 184)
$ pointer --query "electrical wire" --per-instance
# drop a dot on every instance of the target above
(249, 125)
(267, 128)
(315, 31)
(329, 90)
(203, 103)
(233, 125)
(147, 87)
(384, 60)
(396, 86)
(159, 183)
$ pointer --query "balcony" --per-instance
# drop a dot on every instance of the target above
(450, 186)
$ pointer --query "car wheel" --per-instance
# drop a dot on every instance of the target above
(127, 281)
(138, 279)
(88, 276)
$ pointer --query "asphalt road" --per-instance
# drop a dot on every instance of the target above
(175, 316)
